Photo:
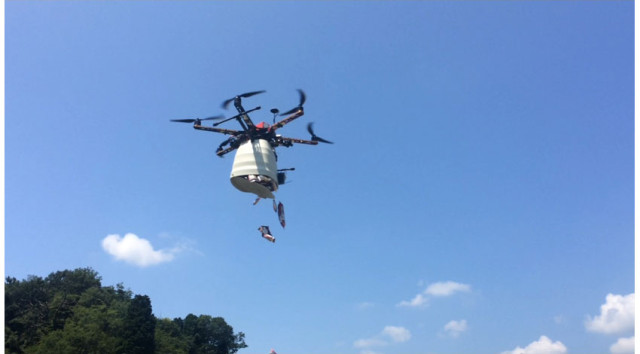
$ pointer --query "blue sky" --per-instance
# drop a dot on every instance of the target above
(478, 197)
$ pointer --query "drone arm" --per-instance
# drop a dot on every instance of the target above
(217, 130)
(234, 142)
(243, 116)
(289, 119)
(221, 153)
(288, 141)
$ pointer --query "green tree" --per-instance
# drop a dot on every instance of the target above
(96, 325)
(65, 289)
(71, 312)
(211, 335)
(26, 312)
(90, 330)
(169, 338)
(139, 327)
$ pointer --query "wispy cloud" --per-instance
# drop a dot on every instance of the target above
(617, 315)
(364, 305)
(455, 328)
(418, 301)
(623, 346)
(137, 251)
(544, 345)
(439, 289)
(369, 342)
(390, 334)
(446, 288)
(397, 334)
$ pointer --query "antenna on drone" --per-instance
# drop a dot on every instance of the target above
(275, 112)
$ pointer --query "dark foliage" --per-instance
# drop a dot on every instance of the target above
(71, 312)
(139, 327)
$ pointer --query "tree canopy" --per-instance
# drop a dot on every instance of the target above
(71, 312)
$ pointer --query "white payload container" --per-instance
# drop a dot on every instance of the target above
(254, 169)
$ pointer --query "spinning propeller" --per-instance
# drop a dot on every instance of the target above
(197, 120)
(303, 98)
(225, 104)
(314, 137)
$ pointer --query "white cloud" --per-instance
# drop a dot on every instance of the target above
(418, 301)
(392, 333)
(446, 288)
(543, 345)
(455, 328)
(135, 250)
(369, 342)
(623, 346)
(439, 289)
(617, 315)
(397, 334)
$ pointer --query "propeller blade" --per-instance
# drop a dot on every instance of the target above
(317, 138)
(303, 99)
(249, 94)
(196, 120)
(225, 104)
(310, 128)
(213, 118)
(314, 137)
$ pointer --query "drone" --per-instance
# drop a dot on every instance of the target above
(255, 164)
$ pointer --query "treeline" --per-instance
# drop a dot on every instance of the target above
(71, 312)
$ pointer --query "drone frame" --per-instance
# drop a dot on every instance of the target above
(249, 130)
